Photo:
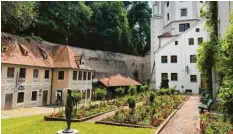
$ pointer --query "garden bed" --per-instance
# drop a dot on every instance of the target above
(147, 115)
(83, 113)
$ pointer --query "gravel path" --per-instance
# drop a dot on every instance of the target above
(98, 118)
(185, 120)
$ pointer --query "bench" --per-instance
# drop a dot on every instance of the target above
(205, 98)
(207, 106)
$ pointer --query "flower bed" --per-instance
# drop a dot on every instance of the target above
(146, 115)
(214, 124)
(83, 113)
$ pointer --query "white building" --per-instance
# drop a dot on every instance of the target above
(176, 32)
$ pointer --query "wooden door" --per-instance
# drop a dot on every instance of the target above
(45, 98)
(8, 101)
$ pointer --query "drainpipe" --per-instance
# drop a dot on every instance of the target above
(51, 87)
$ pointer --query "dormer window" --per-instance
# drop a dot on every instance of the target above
(43, 52)
(4, 49)
(23, 49)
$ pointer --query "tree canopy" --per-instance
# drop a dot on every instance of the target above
(110, 26)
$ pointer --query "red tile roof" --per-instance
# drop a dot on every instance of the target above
(37, 54)
(167, 34)
(115, 79)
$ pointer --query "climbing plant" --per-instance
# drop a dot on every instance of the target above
(208, 51)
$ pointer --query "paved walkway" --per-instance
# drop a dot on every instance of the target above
(185, 120)
(28, 111)
(98, 118)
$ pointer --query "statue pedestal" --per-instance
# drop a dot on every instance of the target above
(74, 131)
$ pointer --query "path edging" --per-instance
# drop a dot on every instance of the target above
(160, 128)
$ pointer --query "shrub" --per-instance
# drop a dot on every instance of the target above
(131, 101)
(226, 100)
(100, 94)
(143, 88)
(152, 97)
(132, 90)
(120, 91)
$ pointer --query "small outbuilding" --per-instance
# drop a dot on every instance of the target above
(111, 81)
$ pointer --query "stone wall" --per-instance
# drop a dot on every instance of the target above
(104, 61)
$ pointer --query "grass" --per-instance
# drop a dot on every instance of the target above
(36, 125)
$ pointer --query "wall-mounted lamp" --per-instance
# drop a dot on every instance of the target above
(187, 69)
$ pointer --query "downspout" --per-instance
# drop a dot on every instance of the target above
(51, 87)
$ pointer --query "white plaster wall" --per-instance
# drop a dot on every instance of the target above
(223, 15)
(164, 40)
(166, 11)
(183, 52)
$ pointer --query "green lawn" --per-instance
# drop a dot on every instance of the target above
(36, 125)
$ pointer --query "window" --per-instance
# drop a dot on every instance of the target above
(167, 4)
(193, 78)
(35, 73)
(176, 42)
(199, 40)
(80, 74)
(89, 75)
(164, 75)
(174, 77)
(34, 96)
(168, 17)
(163, 59)
(197, 30)
(20, 98)
(22, 72)
(184, 27)
(46, 74)
(193, 58)
(84, 75)
(191, 41)
(10, 72)
(201, 1)
(60, 75)
(74, 75)
(173, 59)
(183, 12)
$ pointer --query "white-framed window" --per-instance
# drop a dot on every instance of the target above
(60, 75)
(84, 75)
(22, 73)
(191, 41)
(164, 75)
(183, 12)
(176, 42)
(193, 78)
(193, 59)
(20, 98)
(34, 96)
(163, 59)
(35, 73)
(10, 72)
(174, 77)
(74, 75)
(173, 59)
(184, 27)
(89, 76)
(80, 75)
(168, 17)
(168, 4)
(199, 40)
(46, 74)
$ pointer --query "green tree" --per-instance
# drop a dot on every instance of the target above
(17, 15)
(63, 19)
(132, 90)
(109, 27)
(100, 94)
(120, 91)
(77, 97)
(208, 51)
(139, 22)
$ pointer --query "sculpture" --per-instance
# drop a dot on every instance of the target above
(68, 112)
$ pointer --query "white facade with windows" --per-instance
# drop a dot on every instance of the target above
(174, 43)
